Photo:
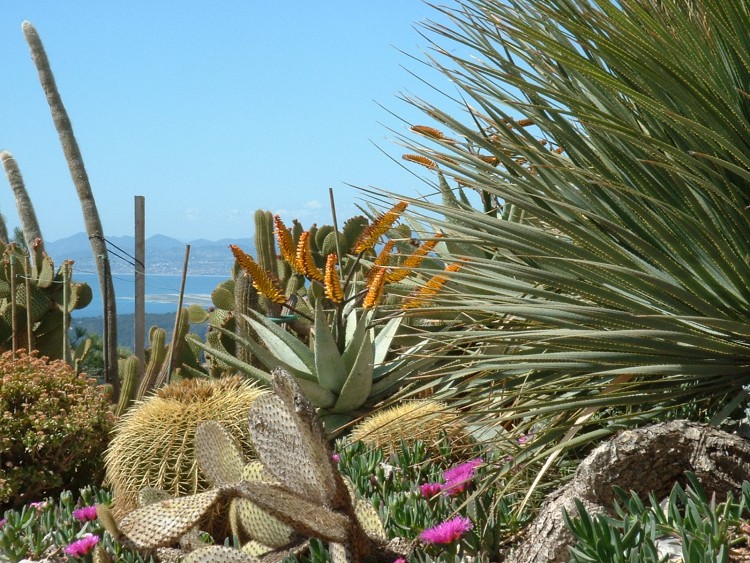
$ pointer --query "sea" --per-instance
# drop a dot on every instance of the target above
(162, 293)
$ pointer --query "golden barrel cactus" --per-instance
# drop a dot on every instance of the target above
(426, 420)
(153, 443)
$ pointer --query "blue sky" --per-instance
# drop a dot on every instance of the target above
(212, 110)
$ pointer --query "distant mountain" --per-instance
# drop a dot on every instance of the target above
(164, 255)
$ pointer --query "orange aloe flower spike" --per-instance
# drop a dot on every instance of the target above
(419, 297)
(332, 282)
(412, 261)
(305, 262)
(286, 243)
(265, 285)
(378, 228)
(374, 289)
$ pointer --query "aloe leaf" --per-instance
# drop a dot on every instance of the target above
(283, 345)
(329, 366)
(384, 339)
(230, 360)
(354, 342)
(357, 388)
(264, 356)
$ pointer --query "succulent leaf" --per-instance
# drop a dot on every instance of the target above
(356, 390)
(218, 454)
(218, 554)
(283, 345)
(162, 524)
(310, 518)
(329, 365)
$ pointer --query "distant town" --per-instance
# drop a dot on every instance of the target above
(164, 255)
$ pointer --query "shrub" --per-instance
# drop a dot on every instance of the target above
(54, 427)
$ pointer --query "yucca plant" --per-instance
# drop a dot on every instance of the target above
(609, 142)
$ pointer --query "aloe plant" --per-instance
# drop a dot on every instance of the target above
(343, 381)
(351, 356)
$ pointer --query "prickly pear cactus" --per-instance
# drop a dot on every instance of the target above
(306, 492)
(51, 299)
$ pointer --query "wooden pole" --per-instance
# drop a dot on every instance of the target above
(66, 317)
(106, 330)
(27, 281)
(140, 286)
(13, 311)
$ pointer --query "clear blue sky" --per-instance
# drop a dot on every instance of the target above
(211, 110)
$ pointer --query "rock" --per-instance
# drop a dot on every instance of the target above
(645, 460)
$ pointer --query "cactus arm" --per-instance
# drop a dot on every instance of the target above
(129, 379)
(26, 214)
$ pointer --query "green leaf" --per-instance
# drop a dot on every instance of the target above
(329, 365)
(384, 339)
(357, 388)
(282, 344)
(355, 337)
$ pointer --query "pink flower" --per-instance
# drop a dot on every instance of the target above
(429, 490)
(400, 560)
(82, 547)
(448, 531)
(336, 458)
(85, 514)
(457, 478)
(39, 506)
(3, 522)
(525, 438)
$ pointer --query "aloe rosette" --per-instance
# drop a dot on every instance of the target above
(344, 380)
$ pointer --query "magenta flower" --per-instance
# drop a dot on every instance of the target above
(3, 522)
(38, 506)
(429, 490)
(85, 514)
(447, 532)
(526, 438)
(82, 547)
(336, 458)
(457, 478)
(400, 560)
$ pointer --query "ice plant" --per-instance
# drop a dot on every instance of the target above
(3, 522)
(85, 514)
(83, 546)
(447, 532)
(429, 490)
(457, 478)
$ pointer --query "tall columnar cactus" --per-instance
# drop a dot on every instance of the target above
(305, 492)
(32, 234)
(83, 187)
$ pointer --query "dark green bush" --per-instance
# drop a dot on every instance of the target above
(54, 427)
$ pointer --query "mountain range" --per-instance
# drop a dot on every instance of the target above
(164, 255)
